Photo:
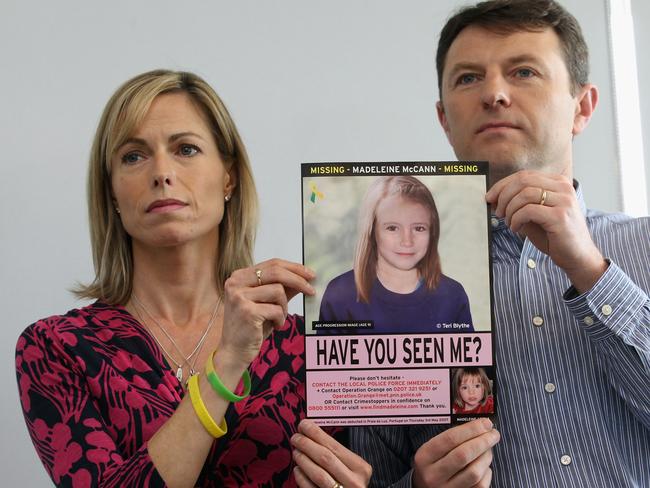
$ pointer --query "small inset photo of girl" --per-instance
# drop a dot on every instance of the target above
(471, 391)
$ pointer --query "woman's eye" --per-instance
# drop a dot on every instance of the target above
(391, 228)
(188, 150)
(131, 158)
(420, 228)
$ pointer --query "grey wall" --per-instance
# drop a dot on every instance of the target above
(305, 81)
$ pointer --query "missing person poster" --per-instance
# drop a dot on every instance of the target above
(400, 328)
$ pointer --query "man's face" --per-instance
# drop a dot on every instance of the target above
(507, 99)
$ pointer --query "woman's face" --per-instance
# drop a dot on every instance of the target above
(168, 179)
(402, 229)
(471, 391)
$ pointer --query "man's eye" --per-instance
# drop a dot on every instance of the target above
(466, 79)
(525, 73)
(188, 150)
(131, 158)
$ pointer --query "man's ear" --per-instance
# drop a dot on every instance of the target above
(442, 117)
(586, 102)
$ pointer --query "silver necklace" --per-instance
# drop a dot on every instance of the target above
(186, 359)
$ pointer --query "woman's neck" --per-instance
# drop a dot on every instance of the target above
(177, 283)
(397, 280)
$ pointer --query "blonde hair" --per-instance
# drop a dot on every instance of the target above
(365, 256)
(124, 112)
(460, 373)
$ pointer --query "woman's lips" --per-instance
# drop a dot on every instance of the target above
(167, 205)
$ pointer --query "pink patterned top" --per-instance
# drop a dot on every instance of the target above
(95, 387)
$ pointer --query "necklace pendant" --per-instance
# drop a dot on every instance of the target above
(179, 373)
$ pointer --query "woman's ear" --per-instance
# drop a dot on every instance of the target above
(230, 181)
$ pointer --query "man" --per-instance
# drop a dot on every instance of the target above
(572, 314)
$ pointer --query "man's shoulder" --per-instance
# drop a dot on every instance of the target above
(600, 221)
(597, 216)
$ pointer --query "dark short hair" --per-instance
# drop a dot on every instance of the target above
(508, 16)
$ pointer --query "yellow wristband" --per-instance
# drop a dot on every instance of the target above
(202, 413)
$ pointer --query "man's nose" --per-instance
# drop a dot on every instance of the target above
(495, 93)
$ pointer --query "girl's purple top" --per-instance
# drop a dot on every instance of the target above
(95, 387)
(445, 309)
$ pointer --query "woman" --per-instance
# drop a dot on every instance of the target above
(116, 393)
(397, 282)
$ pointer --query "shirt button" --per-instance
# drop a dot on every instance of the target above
(531, 263)
(549, 387)
(538, 321)
(565, 460)
(607, 310)
(495, 222)
(588, 320)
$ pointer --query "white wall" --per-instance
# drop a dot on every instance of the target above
(305, 81)
(641, 17)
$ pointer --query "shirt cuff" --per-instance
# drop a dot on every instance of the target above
(610, 307)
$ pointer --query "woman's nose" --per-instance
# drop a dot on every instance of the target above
(163, 173)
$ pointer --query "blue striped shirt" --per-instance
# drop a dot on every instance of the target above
(573, 372)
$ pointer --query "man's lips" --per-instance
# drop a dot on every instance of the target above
(493, 126)
(166, 205)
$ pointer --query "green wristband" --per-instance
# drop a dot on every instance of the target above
(220, 388)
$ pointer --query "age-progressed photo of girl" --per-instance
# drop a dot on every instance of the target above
(397, 283)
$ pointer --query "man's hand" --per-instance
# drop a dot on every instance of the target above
(323, 462)
(544, 208)
(459, 457)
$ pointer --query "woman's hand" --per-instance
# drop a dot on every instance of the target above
(255, 302)
(324, 462)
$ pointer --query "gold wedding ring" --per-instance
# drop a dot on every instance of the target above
(337, 485)
(543, 199)
(258, 273)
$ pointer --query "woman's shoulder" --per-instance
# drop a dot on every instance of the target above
(90, 319)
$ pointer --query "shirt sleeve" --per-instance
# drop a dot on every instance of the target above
(615, 315)
(68, 432)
